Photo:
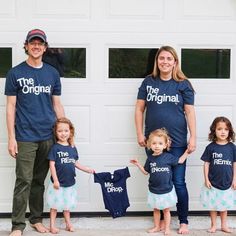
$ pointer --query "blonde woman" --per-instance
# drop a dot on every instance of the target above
(166, 99)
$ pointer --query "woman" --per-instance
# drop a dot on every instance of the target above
(167, 99)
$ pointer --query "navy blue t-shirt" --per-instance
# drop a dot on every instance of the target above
(114, 190)
(33, 88)
(65, 158)
(160, 172)
(165, 102)
(221, 158)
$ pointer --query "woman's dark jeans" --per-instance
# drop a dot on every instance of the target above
(180, 186)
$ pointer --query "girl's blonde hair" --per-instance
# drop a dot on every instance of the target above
(159, 133)
(65, 120)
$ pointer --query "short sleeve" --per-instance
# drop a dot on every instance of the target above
(206, 156)
(142, 91)
(57, 87)
(173, 160)
(127, 173)
(187, 92)
(147, 165)
(96, 178)
(53, 72)
(51, 154)
(76, 153)
(234, 152)
(10, 84)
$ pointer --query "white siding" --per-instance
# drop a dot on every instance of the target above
(102, 109)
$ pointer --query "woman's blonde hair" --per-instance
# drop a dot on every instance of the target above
(71, 127)
(159, 133)
(177, 73)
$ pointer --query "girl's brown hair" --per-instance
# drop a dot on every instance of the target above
(159, 133)
(71, 127)
(212, 134)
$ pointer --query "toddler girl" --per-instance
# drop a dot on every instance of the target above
(62, 191)
(161, 194)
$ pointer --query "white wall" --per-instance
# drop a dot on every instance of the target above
(103, 109)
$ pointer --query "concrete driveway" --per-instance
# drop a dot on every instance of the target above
(123, 226)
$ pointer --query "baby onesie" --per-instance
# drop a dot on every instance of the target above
(114, 190)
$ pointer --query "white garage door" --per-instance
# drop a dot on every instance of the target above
(102, 108)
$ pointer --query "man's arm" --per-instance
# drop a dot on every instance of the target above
(58, 107)
(10, 118)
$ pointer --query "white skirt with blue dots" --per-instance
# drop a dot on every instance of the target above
(162, 201)
(216, 199)
(64, 198)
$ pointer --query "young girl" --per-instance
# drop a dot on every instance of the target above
(161, 194)
(62, 190)
(219, 172)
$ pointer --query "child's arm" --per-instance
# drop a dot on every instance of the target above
(84, 168)
(183, 158)
(206, 171)
(234, 178)
(136, 162)
(56, 183)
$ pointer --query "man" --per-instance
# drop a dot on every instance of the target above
(33, 90)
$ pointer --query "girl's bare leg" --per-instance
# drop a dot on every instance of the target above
(156, 218)
(213, 215)
(162, 225)
(53, 215)
(167, 218)
(224, 227)
(69, 226)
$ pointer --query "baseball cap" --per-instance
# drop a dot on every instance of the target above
(36, 33)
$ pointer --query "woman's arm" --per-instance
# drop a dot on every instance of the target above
(191, 121)
(139, 111)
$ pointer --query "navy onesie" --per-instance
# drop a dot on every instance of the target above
(114, 191)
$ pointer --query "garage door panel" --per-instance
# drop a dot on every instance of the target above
(80, 116)
(196, 10)
(3, 127)
(142, 10)
(119, 124)
(7, 176)
(102, 108)
(194, 159)
(205, 115)
(76, 8)
(195, 180)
